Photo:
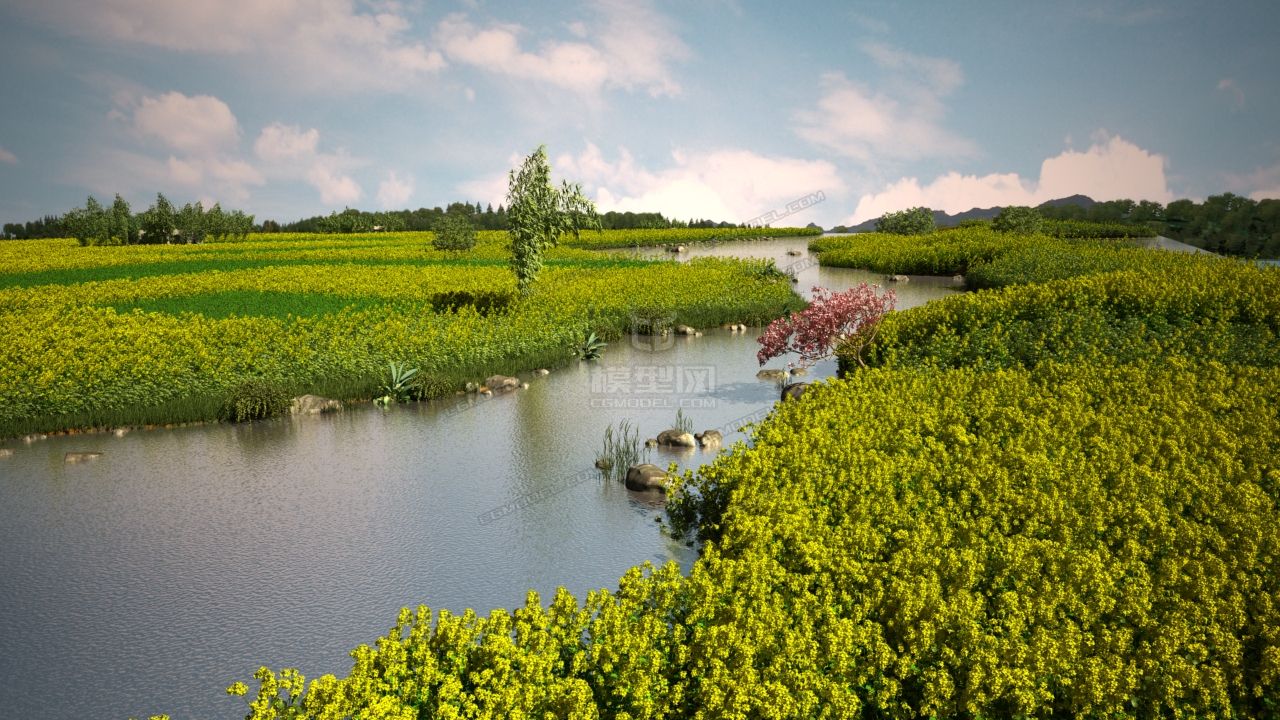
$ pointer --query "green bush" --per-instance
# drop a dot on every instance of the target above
(915, 221)
(1017, 219)
(454, 232)
(429, 387)
(255, 399)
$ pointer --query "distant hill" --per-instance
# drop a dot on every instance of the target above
(942, 219)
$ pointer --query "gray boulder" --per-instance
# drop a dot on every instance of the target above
(501, 383)
(676, 438)
(709, 438)
(773, 375)
(793, 391)
(313, 405)
(646, 477)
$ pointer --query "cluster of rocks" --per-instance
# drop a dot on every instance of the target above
(734, 327)
(647, 476)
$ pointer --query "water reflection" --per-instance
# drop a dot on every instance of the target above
(183, 559)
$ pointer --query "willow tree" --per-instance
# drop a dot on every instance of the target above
(538, 213)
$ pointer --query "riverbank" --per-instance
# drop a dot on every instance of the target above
(110, 337)
(1054, 497)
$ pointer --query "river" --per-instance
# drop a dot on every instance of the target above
(146, 580)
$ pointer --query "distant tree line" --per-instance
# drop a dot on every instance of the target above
(351, 220)
(96, 224)
(1226, 224)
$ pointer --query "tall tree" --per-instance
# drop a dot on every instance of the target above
(538, 213)
(158, 221)
(124, 226)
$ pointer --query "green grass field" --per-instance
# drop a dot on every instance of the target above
(105, 336)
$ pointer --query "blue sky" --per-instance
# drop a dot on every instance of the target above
(725, 109)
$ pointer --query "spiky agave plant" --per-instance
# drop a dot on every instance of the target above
(399, 385)
(591, 347)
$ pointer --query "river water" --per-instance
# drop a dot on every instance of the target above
(146, 580)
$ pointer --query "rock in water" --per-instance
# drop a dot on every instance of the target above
(79, 457)
(899, 278)
(313, 405)
(501, 383)
(646, 477)
(709, 438)
(772, 375)
(793, 391)
(676, 438)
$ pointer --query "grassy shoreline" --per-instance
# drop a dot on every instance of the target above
(146, 342)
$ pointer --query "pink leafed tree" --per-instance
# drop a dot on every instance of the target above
(848, 318)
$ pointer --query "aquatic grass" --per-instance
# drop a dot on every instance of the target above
(683, 423)
(621, 450)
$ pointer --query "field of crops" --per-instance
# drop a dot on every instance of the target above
(104, 336)
(1056, 498)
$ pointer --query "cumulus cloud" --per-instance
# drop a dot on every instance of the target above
(202, 137)
(1261, 184)
(395, 191)
(288, 152)
(631, 46)
(727, 184)
(1112, 168)
(285, 143)
(899, 123)
(319, 44)
(193, 124)
(7, 158)
(335, 188)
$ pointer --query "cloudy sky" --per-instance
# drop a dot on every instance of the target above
(725, 109)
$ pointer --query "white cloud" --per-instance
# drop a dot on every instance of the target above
(903, 122)
(394, 191)
(727, 184)
(634, 48)
(7, 157)
(1260, 184)
(335, 187)
(319, 44)
(287, 152)
(1112, 168)
(284, 143)
(202, 136)
(193, 124)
